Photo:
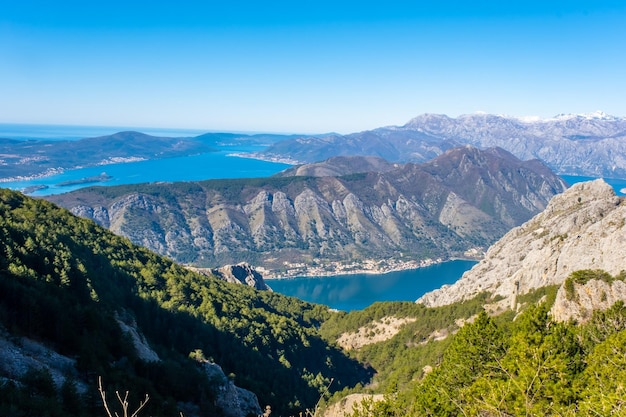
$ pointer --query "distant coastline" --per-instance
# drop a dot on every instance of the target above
(48, 173)
(369, 266)
(261, 157)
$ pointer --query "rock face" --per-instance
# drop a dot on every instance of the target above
(234, 401)
(591, 296)
(241, 273)
(583, 228)
(463, 199)
(20, 354)
(588, 144)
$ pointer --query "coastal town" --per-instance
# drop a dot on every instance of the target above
(367, 266)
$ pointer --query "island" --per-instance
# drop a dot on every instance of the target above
(87, 180)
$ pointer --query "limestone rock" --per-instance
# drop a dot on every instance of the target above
(591, 296)
(241, 273)
(142, 347)
(582, 228)
(345, 406)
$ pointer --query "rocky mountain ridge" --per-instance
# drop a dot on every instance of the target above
(592, 144)
(464, 199)
(582, 229)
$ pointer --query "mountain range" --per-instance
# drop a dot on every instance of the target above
(590, 145)
(78, 303)
(462, 200)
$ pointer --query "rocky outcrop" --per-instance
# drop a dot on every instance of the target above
(583, 228)
(587, 298)
(464, 199)
(345, 407)
(142, 347)
(18, 355)
(234, 401)
(241, 273)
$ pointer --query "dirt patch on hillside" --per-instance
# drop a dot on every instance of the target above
(374, 332)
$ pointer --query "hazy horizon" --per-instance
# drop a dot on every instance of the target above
(306, 68)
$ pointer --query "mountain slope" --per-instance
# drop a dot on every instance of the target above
(464, 199)
(593, 144)
(119, 311)
(556, 290)
(583, 228)
(339, 166)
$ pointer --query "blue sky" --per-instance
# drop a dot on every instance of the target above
(306, 66)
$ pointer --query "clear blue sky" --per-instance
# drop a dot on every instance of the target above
(306, 66)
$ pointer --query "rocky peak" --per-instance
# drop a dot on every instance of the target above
(582, 228)
(242, 273)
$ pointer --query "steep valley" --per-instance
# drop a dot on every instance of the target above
(77, 301)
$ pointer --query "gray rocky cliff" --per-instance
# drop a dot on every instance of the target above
(462, 200)
(583, 228)
(241, 273)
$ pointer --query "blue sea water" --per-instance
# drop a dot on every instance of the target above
(189, 168)
(357, 291)
(221, 164)
(210, 165)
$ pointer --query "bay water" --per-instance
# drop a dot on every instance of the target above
(357, 291)
(221, 164)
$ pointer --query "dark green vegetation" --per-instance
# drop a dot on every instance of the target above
(65, 282)
(402, 358)
(530, 366)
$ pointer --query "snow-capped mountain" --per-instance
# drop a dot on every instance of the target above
(592, 144)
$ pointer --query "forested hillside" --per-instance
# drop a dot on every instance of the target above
(68, 283)
(532, 366)
(87, 295)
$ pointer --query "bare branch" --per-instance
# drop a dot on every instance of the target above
(104, 396)
(123, 402)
